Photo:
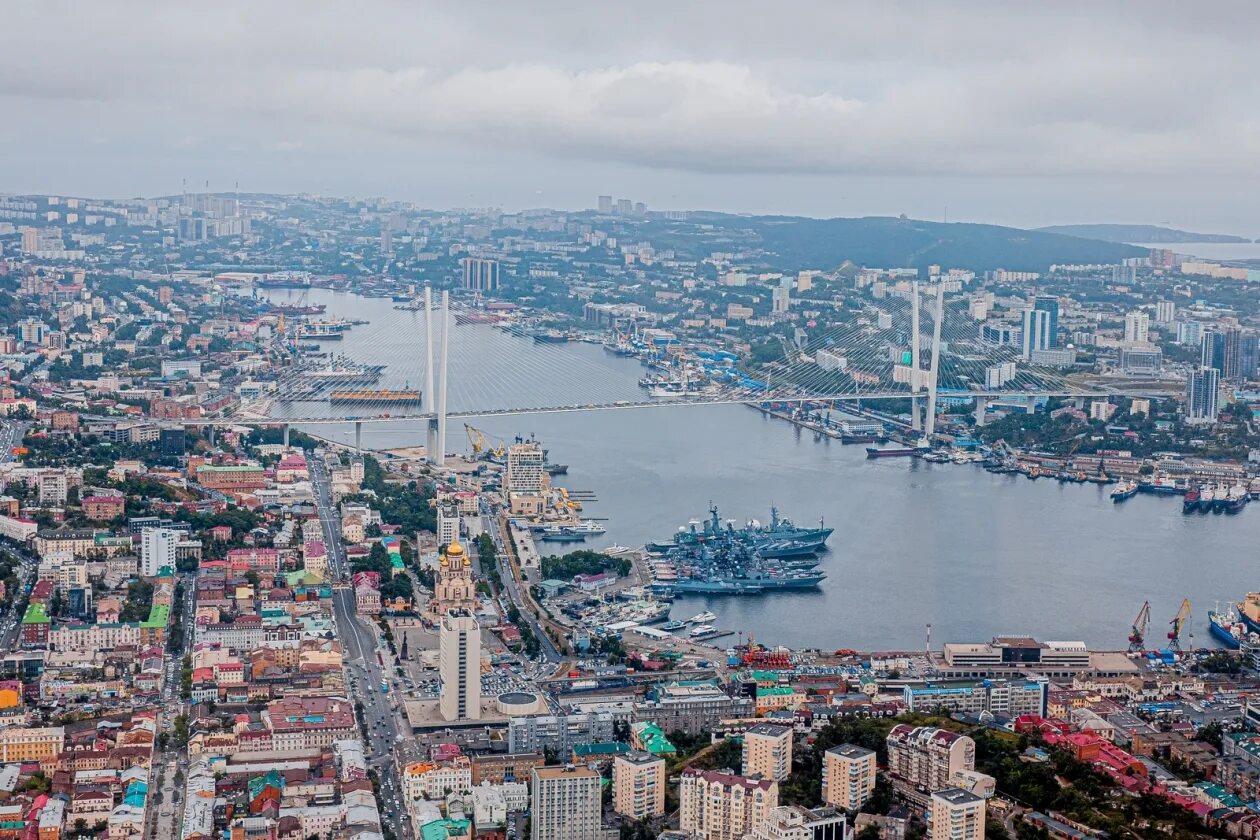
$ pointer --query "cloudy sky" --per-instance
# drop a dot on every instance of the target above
(998, 112)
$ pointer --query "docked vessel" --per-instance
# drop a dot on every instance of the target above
(1248, 610)
(569, 533)
(1161, 485)
(375, 397)
(1207, 498)
(1227, 628)
(556, 469)
(702, 630)
(1236, 498)
(1124, 490)
(671, 626)
(702, 617)
(551, 337)
(1190, 502)
(890, 451)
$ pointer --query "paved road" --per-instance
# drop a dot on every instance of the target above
(506, 574)
(360, 647)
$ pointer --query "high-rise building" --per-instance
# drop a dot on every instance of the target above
(1222, 349)
(780, 300)
(955, 814)
(1137, 327)
(1165, 311)
(723, 806)
(525, 471)
(387, 242)
(481, 274)
(565, 803)
(796, 822)
(1248, 355)
(606, 204)
(848, 776)
(625, 207)
(638, 780)
(927, 756)
(1050, 304)
(1201, 395)
(768, 751)
(1124, 274)
(459, 664)
(1190, 333)
(1036, 331)
(157, 549)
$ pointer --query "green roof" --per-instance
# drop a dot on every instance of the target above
(396, 562)
(653, 738)
(442, 829)
(775, 690)
(610, 748)
(159, 617)
(36, 613)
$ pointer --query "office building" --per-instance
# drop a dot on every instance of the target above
(796, 822)
(1050, 305)
(1036, 331)
(525, 471)
(955, 814)
(692, 707)
(1165, 311)
(480, 274)
(1141, 361)
(928, 757)
(565, 803)
(157, 550)
(638, 781)
(1137, 327)
(768, 751)
(848, 776)
(1202, 386)
(723, 806)
(459, 664)
(559, 733)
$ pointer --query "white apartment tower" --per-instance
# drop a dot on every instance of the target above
(1137, 326)
(459, 664)
(157, 549)
(565, 803)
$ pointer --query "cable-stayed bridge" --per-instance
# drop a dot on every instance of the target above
(916, 345)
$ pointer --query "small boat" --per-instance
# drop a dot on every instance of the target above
(671, 626)
(556, 469)
(700, 618)
(702, 630)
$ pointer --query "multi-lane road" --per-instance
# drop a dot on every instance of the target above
(507, 573)
(370, 683)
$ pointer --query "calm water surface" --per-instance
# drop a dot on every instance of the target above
(973, 554)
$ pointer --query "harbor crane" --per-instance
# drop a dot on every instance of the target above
(1178, 624)
(481, 444)
(1141, 624)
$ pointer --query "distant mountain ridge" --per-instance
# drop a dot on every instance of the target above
(892, 242)
(1140, 233)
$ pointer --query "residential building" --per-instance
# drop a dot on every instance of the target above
(768, 751)
(1006, 699)
(1202, 387)
(1165, 311)
(565, 803)
(157, 550)
(480, 274)
(723, 806)
(1137, 326)
(692, 707)
(928, 757)
(848, 776)
(538, 733)
(796, 822)
(638, 781)
(19, 743)
(956, 814)
(459, 664)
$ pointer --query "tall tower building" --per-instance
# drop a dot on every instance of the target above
(638, 785)
(768, 751)
(480, 274)
(157, 549)
(459, 664)
(848, 776)
(606, 205)
(956, 814)
(565, 803)
(1202, 386)
(1036, 331)
(1165, 312)
(525, 472)
(1050, 305)
(1137, 327)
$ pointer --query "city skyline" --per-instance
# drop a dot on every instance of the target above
(1014, 116)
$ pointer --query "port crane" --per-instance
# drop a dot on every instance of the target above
(481, 444)
(1178, 624)
(1141, 624)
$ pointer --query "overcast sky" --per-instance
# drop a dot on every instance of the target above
(997, 112)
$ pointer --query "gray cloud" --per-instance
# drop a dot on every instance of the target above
(707, 91)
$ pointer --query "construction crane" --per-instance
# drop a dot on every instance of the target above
(481, 444)
(1137, 638)
(1178, 624)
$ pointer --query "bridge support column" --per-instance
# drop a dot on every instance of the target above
(982, 408)
(285, 427)
(358, 436)
(1031, 405)
(431, 440)
(1079, 402)
(916, 414)
(210, 434)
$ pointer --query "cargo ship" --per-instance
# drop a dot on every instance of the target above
(1190, 502)
(1236, 498)
(375, 397)
(891, 451)
(1227, 628)
(1249, 611)
(551, 337)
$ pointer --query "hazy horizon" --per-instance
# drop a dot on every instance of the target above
(1024, 116)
